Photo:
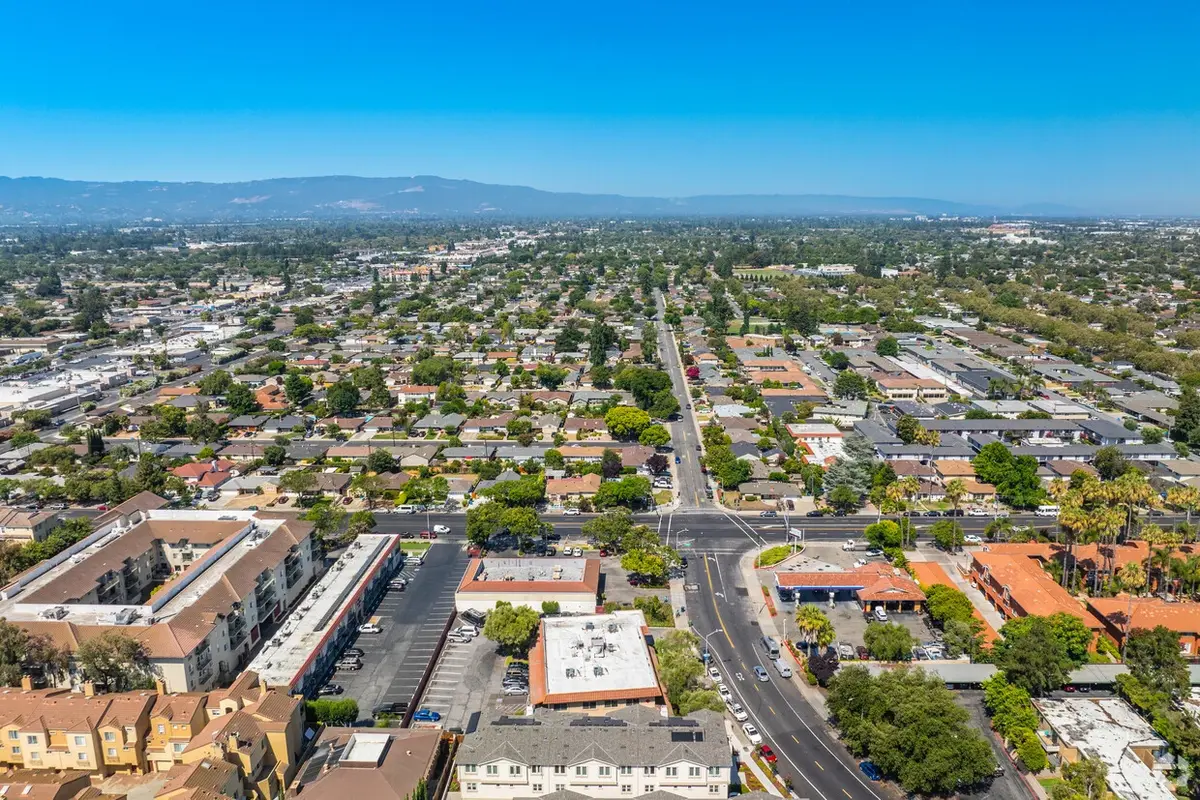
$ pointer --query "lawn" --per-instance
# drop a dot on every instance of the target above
(1049, 783)
(415, 547)
(773, 555)
(663, 497)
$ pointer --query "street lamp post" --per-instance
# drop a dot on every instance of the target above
(707, 652)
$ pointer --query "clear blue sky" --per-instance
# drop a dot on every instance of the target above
(1092, 104)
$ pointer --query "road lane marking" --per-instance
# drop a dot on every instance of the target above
(818, 763)
(772, 710)
(794, 739)
(848, 794)
(720, 622)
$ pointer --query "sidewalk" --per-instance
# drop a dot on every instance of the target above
(745, 756)
(678, 601)
(767, 624)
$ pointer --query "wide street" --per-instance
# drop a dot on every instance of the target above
(724, 613)
(685, 435)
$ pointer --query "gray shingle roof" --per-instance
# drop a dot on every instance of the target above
(631, 736)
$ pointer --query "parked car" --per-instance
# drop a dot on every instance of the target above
(738, 712)
(571, 512)
(870, 770)
(723, 690)
(768, 755)
(428, 535)
(768, 514)
(348, 666)
(814, 514)
(971, 538)
(863, 655)
(369, 627)
(357, 652)
(752, 733)
(716, 676)
(329, 688)
(426, 715)
(678, 460)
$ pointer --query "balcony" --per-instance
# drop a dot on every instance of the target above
(294, 574)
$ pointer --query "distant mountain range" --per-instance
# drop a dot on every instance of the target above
(51, 200)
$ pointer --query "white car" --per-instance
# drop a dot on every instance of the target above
(726, 695)
(369, 627)
(571, 512)
(848, 544)
(752, 733)
(441, 528)
(738, 712)
(978, 512)
(577, 552)
(716, 676)
(971, 538)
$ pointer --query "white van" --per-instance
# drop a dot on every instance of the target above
(880, 613)
(782, 668)
(1047, 511)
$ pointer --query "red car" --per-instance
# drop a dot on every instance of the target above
(768, 755)
(428, 535)
(603, 552)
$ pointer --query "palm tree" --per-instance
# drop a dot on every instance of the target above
(1186, 572)
(1162, 563)
(1000, 529)
(812, 622)
(1132, 577)
(956, 490)
(1185, 497)
(1073, 520)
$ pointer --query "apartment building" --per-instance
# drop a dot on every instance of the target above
(23, 526)
(629, 753)
(256, 730)
(196, 588)
(922, 390)
(55, 729)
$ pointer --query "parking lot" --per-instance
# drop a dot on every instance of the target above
(413, 622)
(465, 679)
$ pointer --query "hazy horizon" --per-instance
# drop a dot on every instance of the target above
(1072, 104)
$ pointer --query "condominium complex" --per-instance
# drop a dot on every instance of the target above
(631, 752)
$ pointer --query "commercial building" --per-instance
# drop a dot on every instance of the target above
(301, 653)
(871, 586)
(594, 662)
(387, 764)
(198, 589)
(1012, 579)
(629, 753)
(573, 583)
(1109, 729)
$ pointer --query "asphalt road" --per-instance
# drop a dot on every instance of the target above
(685, 435)
(724, 611)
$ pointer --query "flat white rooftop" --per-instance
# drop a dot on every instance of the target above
(283, 658)
(1106, 728)
(562, 570)
(598, 653)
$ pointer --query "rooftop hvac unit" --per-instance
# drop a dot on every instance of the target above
(125, 616)
(570, 672)
(58, 612)
(612, 627)
(276, 641)
(587, 626)
(598, 670)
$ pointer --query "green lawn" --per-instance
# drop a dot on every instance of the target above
(1049, 783)
(773, 555)
(415, 547)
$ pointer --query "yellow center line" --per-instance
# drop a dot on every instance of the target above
(717, 611)
(794, 739)
(848, 794)
(818, 763)
(772, 710)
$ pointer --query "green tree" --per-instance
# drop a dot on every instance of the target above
(342, 398)
(215, 383)
(888, 346)
(550, 608)
(631, 491)
(483, 522)
(380, 461)
(1030, 752)
(298, 388)
(1153, 657)
(609, 528)
(1085, 779)
(274, 455)
(1031, 656)
(1010, 707)
(945, 603)
(843, 498)
(21, 651)
(850, 385)
(512, 628)
(240, 400)
(947, 533)
(298, 481)
(654, 436)
(1109, 462)
(625, 422)
(114, 661)
(889, 641)
(647, 564)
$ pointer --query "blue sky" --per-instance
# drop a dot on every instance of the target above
(1095, 105)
